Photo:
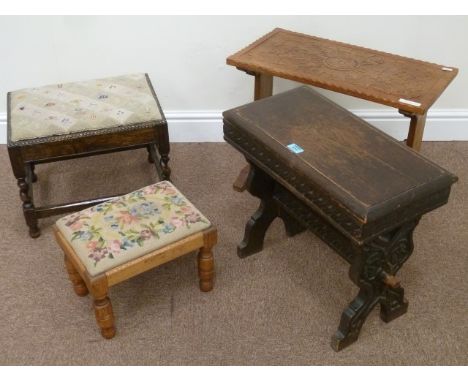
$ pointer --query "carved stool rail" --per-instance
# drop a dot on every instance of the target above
(78, 119)
(317, 166)
(123, 237)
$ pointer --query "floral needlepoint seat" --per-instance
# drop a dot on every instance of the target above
(124, 228)
(115, 240)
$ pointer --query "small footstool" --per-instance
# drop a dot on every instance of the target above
(77, 119)
(123, 237)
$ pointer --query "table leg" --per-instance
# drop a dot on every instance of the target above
(416, 129)
(263, 88)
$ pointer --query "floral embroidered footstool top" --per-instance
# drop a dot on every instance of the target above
(124, 228)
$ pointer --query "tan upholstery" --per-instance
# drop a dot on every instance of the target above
(81, 106)
(127, 227)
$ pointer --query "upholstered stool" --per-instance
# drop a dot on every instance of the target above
(123, 237)
(70, 120)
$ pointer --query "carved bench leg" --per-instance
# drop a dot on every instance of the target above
(256, 228)
(393, 304)
(354, 317)
(79, 285)
(261, 186)
(373, 269)
(103, 307)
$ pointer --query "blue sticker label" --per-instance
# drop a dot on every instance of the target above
(296, 149)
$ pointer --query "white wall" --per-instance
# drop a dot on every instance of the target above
(185, 58)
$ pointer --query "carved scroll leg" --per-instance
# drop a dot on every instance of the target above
(353, 318)
(393, 303)
(256, 228)
(103, 307)
(28, 207)
(79, 285)
(416, 129)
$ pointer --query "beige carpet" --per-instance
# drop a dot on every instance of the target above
(280, 306)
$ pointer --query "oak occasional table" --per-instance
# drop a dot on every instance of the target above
(71, 120)
(317, 166)
(409, 85)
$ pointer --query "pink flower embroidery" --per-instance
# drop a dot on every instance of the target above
(126, 218)
(76, 225)
(115, 246)
(177, 222)
(193, 217)
(92, 245)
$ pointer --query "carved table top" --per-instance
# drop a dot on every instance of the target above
(404, 83)
(354, 168)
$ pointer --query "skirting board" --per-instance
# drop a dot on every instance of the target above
(206, 126)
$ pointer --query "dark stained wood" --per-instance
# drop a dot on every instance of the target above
(343, 155)
(359, 190)
(25, 154)
(364, 73)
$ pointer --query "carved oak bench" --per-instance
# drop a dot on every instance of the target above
(317, 166)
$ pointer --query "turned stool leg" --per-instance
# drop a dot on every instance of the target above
(103, 307)
(206, 269)
(78, 284)
(28, 208)
(206, 261)
(104, 316)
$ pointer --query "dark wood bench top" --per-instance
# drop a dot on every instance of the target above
(404, 83)
(362, 169)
